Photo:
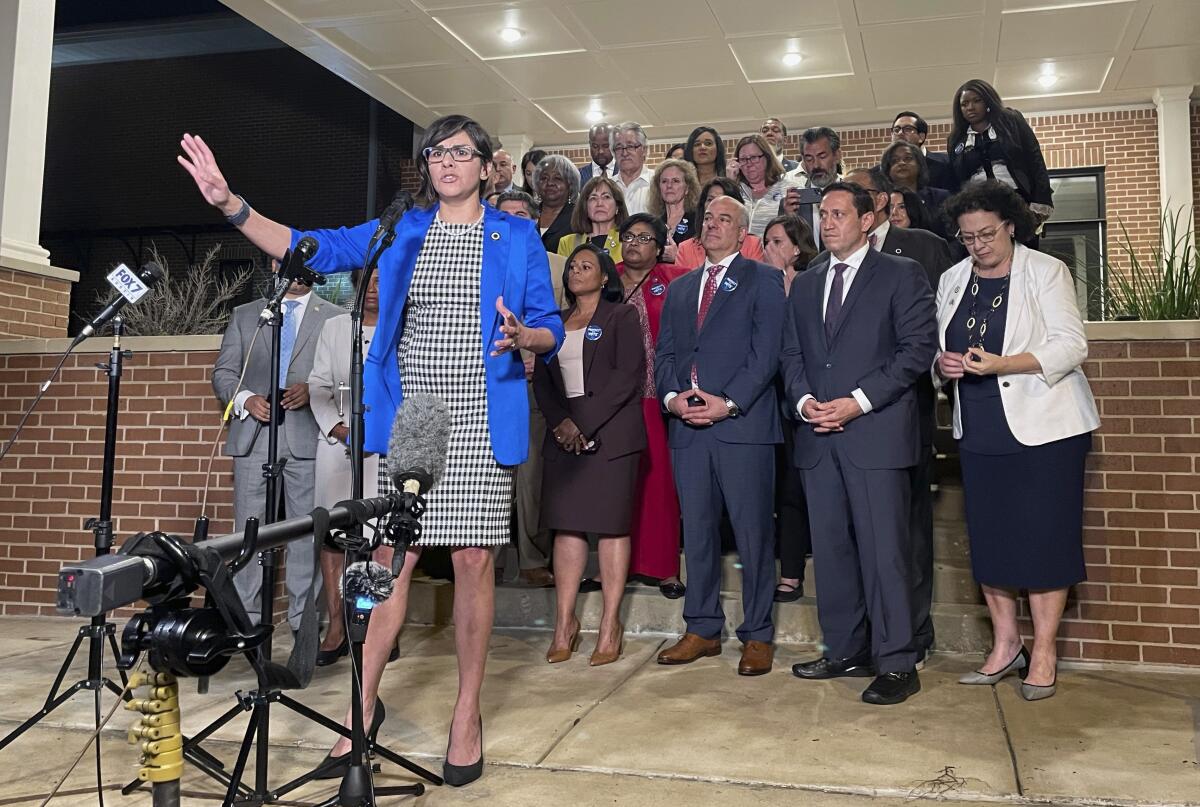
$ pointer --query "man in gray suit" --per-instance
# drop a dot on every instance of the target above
(303, 315)
(861, 328)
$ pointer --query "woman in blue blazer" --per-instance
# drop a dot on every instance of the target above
(462, 289)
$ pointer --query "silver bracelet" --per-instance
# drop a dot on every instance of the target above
(239, 218)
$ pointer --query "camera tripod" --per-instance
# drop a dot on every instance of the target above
(99, 631)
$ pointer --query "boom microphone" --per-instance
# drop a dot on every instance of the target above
(416, 454)
(292, 267)
(130, 288)
(392, 214)
(367, 583)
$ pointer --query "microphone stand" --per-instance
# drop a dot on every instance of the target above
(99, 630)
(357, 788)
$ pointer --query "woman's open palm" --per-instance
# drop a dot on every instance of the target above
(201, 164)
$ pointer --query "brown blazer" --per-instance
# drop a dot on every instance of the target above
(614, 374)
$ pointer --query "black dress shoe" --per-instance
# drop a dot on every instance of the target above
(823, 668)
(786, 592)
(891, 688)
(672, 591)
(589, 584)
(459, 775)
(327, 657)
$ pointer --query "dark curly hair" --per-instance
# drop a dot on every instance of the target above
(653, 222)
(991, 196)
(611, 290)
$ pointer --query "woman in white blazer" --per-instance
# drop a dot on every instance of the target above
(329, 398)
(1011, 345)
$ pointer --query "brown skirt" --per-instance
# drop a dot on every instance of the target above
(588, 493)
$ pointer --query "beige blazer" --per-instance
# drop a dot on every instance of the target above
(1043, 319)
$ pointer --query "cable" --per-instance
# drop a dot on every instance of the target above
(29, 411)
(225, 416)
(93, 738)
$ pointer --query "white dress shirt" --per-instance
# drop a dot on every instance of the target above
(724, 264)
(880, 233)
(239, 401)
(607, 171)
(853, 261)
(635, 192)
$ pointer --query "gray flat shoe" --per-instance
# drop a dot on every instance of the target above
(1019, 665)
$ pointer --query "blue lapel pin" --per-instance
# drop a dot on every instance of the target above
(729, 284)
(593, 333)
(658, 289)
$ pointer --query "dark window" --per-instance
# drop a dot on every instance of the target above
(1076, 234)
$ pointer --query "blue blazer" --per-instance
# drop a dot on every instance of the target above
(885, 340)
(514, 266)
(736, 352)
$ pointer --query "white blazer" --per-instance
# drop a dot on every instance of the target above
(1043, 319)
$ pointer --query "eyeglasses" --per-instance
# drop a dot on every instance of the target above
(625, 147)
(751, 158)
(904, 130)
(460, 154)
(637, 238)
(983, 236)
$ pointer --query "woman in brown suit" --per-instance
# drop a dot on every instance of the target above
(590, 394)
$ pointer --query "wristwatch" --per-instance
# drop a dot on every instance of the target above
(734, 411)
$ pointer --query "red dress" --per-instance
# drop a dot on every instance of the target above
(654, 538)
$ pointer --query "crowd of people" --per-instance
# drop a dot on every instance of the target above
(739, 348)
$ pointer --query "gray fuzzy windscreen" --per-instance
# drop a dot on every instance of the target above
(420, 435)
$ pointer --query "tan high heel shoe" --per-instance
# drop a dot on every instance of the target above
(599, 659)
(556, 655)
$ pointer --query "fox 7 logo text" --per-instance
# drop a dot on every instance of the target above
(127, 284)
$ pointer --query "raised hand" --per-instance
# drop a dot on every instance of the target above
(200, 163)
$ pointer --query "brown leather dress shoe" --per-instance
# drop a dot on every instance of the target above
(756, 658)
(539, 577)
(690, 648)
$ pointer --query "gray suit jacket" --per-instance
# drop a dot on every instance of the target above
(299, 426)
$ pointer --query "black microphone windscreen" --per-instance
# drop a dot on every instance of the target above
(368, 579)
(420, 436)
(152, 273)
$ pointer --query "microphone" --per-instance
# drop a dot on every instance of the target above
(130, 288)
(367, 584)
(392, 214)
(416, 453)
(292, 267)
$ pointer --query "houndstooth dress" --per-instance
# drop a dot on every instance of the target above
(441, 353)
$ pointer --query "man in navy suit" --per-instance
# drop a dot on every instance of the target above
(861, 329)
(931, 252)
(716, 359)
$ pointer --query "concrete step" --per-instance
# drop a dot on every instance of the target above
(958, 628)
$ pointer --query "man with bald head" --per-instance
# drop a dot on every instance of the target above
(502, 170)
(715, 363)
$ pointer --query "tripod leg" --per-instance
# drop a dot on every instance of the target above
(62, 671)
(243, 756)
(99, 771)
(50, 706)
(116, 651)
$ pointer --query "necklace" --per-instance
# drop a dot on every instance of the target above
(459, 229)
(973, 316)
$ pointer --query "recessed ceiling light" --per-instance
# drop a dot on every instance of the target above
(594, 115)
(792, 58)
(511, 34)
(1047, 80)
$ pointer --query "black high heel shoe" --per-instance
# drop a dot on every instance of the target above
(336, 767)
(459, 775)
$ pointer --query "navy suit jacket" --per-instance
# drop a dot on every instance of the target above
(941, 175)
(736, 352)
(886, 338)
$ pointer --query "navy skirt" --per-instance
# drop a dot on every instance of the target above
(1025, 514)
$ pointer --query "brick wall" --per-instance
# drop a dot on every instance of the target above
(33, 305)
(50, 482)
(1142, 534)
(1142, 598)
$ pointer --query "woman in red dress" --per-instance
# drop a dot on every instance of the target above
(655, 533)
